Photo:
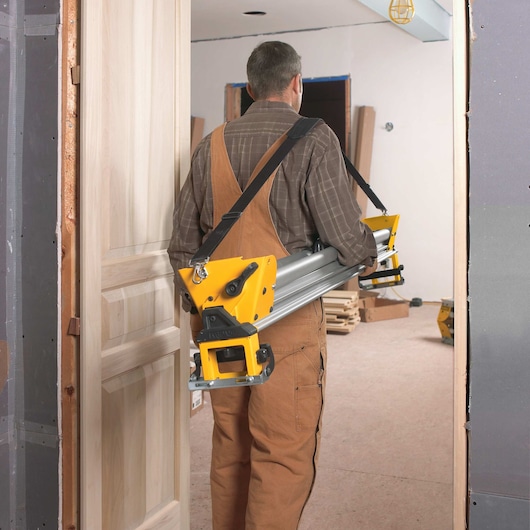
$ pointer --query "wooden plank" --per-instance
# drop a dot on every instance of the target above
(352, 322)
(363, 163)
(341, 301)
(363, 152)
(341, 329)
(232, 102)
(342, 316)
(461, 38)
(342, 310)
(69, 385)
(341, 294)
(197, 132)
(337, 305)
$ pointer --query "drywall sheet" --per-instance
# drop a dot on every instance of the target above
(499, 288)
(4, 264)
(29, 445)
(493, 512)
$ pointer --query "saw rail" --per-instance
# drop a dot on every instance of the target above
(236, 298)
(305, 276)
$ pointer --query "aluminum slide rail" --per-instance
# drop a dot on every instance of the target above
(306, 276)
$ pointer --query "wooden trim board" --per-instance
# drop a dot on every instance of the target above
(461, 38)
(69, 352)
(363, 152)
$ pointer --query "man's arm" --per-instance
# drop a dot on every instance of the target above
(189, 210)
(186, 237)
(192, 215)
(335, 211)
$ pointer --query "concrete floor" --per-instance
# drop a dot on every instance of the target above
(386, 455)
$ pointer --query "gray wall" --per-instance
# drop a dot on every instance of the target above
(499, 283)
(28, 263)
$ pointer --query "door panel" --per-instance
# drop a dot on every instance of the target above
(134, 400)
(137, 446)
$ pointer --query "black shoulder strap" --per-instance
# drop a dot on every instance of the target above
(363, 184)
(295, 133)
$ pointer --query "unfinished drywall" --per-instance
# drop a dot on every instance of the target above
(29, 441)
(409, 83)
(499, 302)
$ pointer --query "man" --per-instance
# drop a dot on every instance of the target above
(266, 437)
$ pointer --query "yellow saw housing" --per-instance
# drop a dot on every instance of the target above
(230, 294)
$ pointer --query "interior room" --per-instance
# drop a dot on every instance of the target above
(387, 465)
(96, 429)
(409, 84)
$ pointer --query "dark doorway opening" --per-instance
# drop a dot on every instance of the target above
(327, 98)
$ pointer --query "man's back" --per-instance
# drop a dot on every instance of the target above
(311, 195)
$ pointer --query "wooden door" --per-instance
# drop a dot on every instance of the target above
(133, 372)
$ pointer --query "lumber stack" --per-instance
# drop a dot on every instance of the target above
(342, 310)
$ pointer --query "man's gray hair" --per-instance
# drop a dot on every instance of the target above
(270, 68)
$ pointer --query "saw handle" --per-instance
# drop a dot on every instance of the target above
(383, 274)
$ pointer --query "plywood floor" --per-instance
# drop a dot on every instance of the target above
(386, 455)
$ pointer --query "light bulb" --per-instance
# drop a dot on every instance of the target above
(401, 11)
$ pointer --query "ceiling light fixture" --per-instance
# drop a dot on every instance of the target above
(401, 11)
(254, 13)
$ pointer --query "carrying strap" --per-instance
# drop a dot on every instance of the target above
(295, 133)
(363, 185)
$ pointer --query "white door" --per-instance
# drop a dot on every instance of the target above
(134, 148)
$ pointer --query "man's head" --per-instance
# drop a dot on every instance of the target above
(274, 73)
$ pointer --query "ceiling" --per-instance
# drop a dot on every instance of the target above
(223, 19)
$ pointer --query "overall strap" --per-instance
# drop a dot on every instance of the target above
(352, 170)
(297, 131)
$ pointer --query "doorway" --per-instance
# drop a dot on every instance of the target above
(459, 194)
(324, 97)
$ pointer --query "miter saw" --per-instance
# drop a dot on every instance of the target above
(236, 297)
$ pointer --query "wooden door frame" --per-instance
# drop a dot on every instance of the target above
(69, 389)
(69, 352)
(461, 39)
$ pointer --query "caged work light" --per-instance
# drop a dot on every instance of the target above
(401, 11)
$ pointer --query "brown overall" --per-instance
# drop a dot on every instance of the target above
(265, 437)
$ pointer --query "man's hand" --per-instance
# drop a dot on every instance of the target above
(370, 269)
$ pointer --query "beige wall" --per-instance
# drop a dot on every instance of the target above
(409, 83)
